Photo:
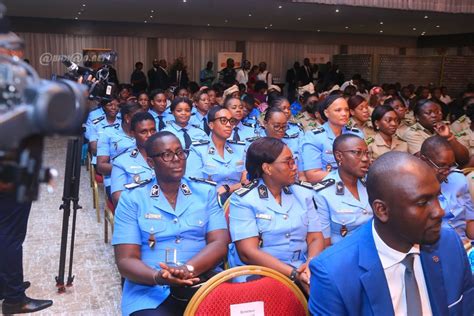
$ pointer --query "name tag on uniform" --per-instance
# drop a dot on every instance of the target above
(264, 216)
(239, 163)
(135, 167)
(152, 216)
(345, 211)
(328, 151)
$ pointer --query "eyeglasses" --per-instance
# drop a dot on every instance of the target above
(280, 127)
(224, 120)
(181, 154)
(357, 153)
(441, 169)
(290, 162)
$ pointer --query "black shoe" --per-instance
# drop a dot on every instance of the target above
(26, 285)
(27, 305)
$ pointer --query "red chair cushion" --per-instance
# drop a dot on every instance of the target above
(278, 299)
(99, 178)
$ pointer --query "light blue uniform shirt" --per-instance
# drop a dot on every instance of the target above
(456, 201)
(342, 212)
(316, 147)
(282, 229)
(167, 117)
(244, 131)
(129, 167)
(197, 119)
(99, 128)
(93, 115)
(205, 162)
(195, 133)
(144, 211)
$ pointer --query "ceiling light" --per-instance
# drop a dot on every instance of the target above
(381, 31)
(280, 6)
(79, 13)
(437, 26)
(299, 19)
(337, 10)
(145, 21)
(250, 14)
(426, 16)
(184, 1)
(318, 30)
(423, 33)
(346, 27)
(271, 25)
(266, 28)
(83, 4)
(414, 29)
(208, 24)
(225, 21)
(76, 18)
(152, 11)
(381, 23)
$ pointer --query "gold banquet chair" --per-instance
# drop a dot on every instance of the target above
(280, 296)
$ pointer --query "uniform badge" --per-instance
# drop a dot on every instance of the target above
(328, 167)
(134, 153)
(340, 188)
(186, 190)
(229, 149)
(262, 191)
(343, 231)
(286, 190)
(211, 150)
(136, 178)
(155, 191)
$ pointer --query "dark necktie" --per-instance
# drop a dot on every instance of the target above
(187, 138)
(411, 287)
(236, 134)
(161, 123)
(206, 127)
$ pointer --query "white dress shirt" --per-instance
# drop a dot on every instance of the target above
(263, 76)
(395, 274)
(242, 76)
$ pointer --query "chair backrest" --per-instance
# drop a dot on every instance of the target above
(279, 295)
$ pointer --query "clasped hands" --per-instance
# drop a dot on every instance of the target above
(176, 276)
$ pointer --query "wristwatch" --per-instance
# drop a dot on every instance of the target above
(293, 274)
(189, 267)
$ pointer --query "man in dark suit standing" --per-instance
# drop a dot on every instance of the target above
(179, 76)
(401, 263)
(292, 77)
(158, 77)
(306, 72)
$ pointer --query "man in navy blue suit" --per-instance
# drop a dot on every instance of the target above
(402, 262)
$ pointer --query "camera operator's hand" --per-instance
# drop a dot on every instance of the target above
(89, 78)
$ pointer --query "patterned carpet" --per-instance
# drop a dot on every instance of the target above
(96, 289)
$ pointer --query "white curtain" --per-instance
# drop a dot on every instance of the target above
(281, 56)
(37, 45)
(195, 52)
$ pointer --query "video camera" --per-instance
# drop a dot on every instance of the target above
(30, 109)
(98, 84)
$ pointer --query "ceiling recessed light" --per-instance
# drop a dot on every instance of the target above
(76, 18)
(318, 30)
(299, 19)
(414, 29)
(381, 31)
(381, 23)
(79, 13)
(271, 25)
(225, 21)
(337, 10)
(423, 33)
(152, 11)
(145, 21)
(250, 14)
(208, 24)
(426, 16)
(151, 16)
(266, 28)
(83, 4)
(184, 1)
(437, 26)
(280, 6)
(346, 27)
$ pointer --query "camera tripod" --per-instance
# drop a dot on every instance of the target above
(72, 177)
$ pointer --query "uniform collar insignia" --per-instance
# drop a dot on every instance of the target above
(229, 149)
(134, 153)
(340, 188)
(155, 191)
(136, 178)
(211, 150)
(186, 190)
(262, 191)
(287, 190)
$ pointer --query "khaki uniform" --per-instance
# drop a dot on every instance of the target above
(367, 129)
(308, 122)
(466, 137)
(461, 124)
(402, 128)
(377, 146)
(415, 135)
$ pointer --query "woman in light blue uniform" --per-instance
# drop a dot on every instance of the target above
(167, 232)
(273, 222)
(344, 206)
(158, 109)
(186, 133)
(113, 142)
(130, 168)
(316, 146)
(294, 128)
(220, 160)
(199, 117)
(240, 132)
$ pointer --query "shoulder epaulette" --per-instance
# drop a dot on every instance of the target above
(462, 118)
(369, 140)
(319, 186)
(458, 171)
(252, 139)
(304, 184)
(202, 180)
(352, 129)
(237, 142)
(249, 124)
(114, 125)
(317, 130)
(246, 188)
(169, 122)
(195, 125)
(200, 142)
(134, 185)
(295, 135)
(97, 120)
(300, 126)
